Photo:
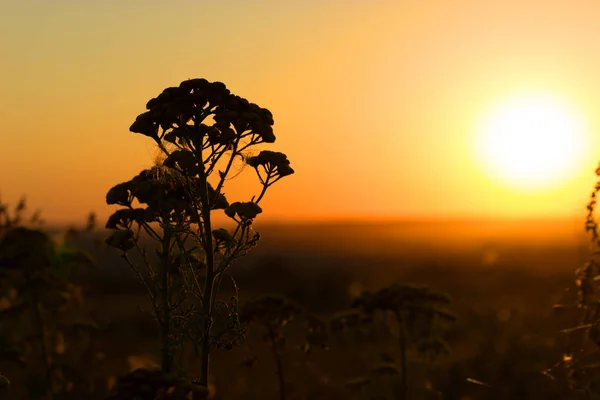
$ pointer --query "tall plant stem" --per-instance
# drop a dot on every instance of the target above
(278, 363)
(210, 275)
(167, 357)
(403, 367)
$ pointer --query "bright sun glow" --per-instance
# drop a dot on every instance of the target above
(532, 142)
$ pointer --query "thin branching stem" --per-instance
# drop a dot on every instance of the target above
(198, 292)
(234, 153)
(140, 276)
(166, 306)
(208, 287)
(278, 362)
(403, 346)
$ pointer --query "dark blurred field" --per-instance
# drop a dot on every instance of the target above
(504, 278)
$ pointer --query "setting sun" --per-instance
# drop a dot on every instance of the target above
(532, 141)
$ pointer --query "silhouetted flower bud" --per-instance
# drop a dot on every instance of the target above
(245, 210)
(218, 203)
(121, 217)
(145, 125)
(171, 93)
(266, 157)
(119, 194)
(227, 136)
(194, 84)
(222, 235)
(184, 158)
(285, 170)
(218, 87)
(121, 239)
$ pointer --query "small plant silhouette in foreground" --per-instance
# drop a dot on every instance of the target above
(43, 323)
(422, 318)
(200, 129)
(274, 313)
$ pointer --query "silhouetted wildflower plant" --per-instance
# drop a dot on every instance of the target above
(580, 365)
(274, 313)
(422, 319)
(201, 129)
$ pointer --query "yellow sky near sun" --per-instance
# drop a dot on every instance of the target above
(375, 102)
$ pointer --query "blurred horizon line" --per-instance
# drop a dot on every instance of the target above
(376, 220)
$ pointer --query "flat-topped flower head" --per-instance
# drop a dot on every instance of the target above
(243, 210)
(270, 309)
(274, 164)
(395, 297)
(119, 194)
(191, 103)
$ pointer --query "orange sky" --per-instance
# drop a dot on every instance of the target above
(375, 102)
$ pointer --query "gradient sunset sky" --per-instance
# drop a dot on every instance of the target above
(375, 102)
